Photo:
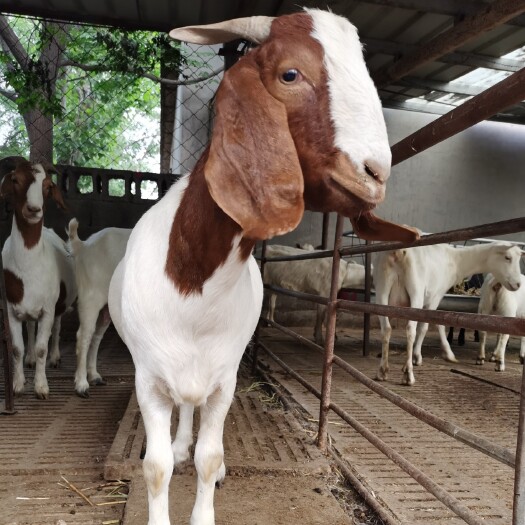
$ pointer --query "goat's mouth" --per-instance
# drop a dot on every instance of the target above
(363, 188)
(32, 218)
(512, 286)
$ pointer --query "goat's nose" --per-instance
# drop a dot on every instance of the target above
(376, 170)
(518, 286)
(34, 209)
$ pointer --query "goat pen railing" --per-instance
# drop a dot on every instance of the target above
(512, 326)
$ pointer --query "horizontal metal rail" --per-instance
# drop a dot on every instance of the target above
(480, 443)
(425, 481)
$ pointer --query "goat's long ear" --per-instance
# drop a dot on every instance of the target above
(253, 171)
(7, 166)
(55, 192)
(371, 228)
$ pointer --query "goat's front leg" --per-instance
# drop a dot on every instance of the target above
(446, 352)
(271, 306)
(54, 355)
(319, 320)
(184, 437)
(421, 332)
(209, 453)
(45, 325)
(408, 369)
(499, 353)
(158, 462)
(17, 338)
(522, 350)
(386, 332)
(30, 358)
(480, 360)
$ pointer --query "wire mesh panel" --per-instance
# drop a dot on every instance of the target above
(91, 96)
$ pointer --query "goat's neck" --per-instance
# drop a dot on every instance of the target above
(26, 237)
(470, 260)
(203, 239)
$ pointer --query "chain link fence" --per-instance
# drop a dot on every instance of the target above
(101, 97)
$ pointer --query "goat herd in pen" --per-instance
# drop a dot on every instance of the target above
(185, 294)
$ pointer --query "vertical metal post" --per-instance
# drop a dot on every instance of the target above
(366, 317)
(7, 349)
(518, 511)
(330, 339)
(256, 335)
(326, 227)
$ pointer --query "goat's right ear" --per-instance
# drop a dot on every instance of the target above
(7, 166)
(253, 170)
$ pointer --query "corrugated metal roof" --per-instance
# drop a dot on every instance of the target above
(389, 29)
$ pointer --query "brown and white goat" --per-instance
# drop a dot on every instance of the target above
(39, 276)
(95, 261)
(298, 123)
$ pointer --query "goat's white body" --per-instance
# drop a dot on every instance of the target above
(199, 339)
(41, 268)
(419, 278)
(313, 276)
(95, 261)
(500, 302)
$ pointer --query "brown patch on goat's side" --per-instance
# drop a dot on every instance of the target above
(200, 237)
(60, 306)
(14, 287)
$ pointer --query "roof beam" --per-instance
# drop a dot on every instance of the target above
(457, 88)
(461, 58)
(455, 8)
(502, 95)
(489, 17)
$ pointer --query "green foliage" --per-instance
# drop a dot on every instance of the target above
(105, 112)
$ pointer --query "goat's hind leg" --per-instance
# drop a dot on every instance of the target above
(386, 332)
(480, 360)
(30, 358)
(184, 436)
(103, 322)
(209, 453)
(156, 411)
(88, 323)
(54, 354)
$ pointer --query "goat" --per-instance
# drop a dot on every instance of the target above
(310, 276)
(298, 123)
(95, 261)
(420, 277)
(495, 299)
(39, 275)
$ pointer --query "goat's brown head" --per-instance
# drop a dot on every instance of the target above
(298, 124)
(28, 185)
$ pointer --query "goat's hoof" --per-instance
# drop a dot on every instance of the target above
(19, 391)
(98, 381)
(417, 361)
(29, 363)
(408, 377)
(83, 393)
(480, 361)
(219, 483)
(492, 358)
(382, 374)
(522, 359)
(500, 367)
(42, 393)
(451, 358)
(54, 364)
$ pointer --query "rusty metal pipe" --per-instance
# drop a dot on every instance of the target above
(299, 295)
(489, 323)
(425, 481)
(368, 293)
(462, 234)
(518, 509)
(331, 318)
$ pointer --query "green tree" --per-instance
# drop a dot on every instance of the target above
(84, 95)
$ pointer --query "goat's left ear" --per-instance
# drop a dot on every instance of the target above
(7, 166)
(54, 191)
(371, 228)
(253, 171)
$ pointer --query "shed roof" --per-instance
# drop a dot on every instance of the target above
(425, 55)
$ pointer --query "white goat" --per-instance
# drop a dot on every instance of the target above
(39, 276)
(420, 277)
(95, 261)
(497, 300)
(312, 276)
(298, 122)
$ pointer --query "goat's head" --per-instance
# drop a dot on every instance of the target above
(504, 263)
(299, 124)
(28, 185)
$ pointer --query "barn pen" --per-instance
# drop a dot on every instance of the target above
(308, 421)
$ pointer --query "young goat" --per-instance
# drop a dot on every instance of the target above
(497, 300)
(420, 277)
(95, 261)
(39, 276)
(298, 122)
(312, 276)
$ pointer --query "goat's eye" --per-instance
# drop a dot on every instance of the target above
(290, 76)
(507, 258)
